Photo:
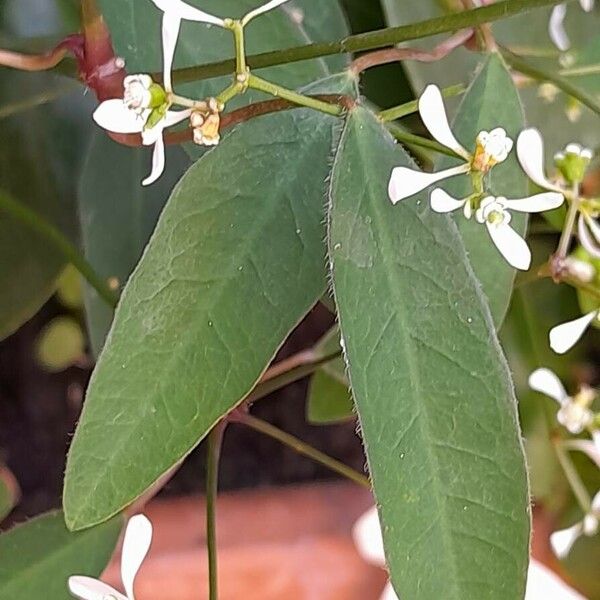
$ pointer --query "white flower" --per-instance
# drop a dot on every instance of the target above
(562, 541)
(574, 414)
(114, 116)
(563, 337)
(530, 152)
(542, 584)
(556, 27)
(136, 544)
(137, 95)
(494, 213)
(491, 148)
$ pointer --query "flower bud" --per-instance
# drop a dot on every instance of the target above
(492, 147)
(573, 162)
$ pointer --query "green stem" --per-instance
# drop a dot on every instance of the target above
(525, 68)
(410, 139)
(230, 92)
(580, 491)
(215, 439)
(567, 233)
(295, 374)
(371, 40)
(37, 223)
(408, 108)
(302, 448)
(237, 29)
(280, 92)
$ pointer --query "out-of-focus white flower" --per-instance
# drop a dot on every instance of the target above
(495, 214)
(563, 337)
(114, 116)
(562, 541)
(556, 26)
(574, 413)
(491, 148)
(542, 584)
(136, 544)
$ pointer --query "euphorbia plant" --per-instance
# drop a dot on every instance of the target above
(316, 194)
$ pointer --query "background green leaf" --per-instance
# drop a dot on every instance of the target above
(491, 101)
(237, 259)
(118, 216)
(432, 388)
(39, 556)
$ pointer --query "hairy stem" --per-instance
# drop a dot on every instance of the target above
(40, 225)
(410, 139)
(302, 448)
(408, 108)
(215, 439)
(579, 490)
(372, 40)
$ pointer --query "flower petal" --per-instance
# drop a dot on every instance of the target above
(538, 203)
(136, 544)
(587, 447)
(544, 584)
(433, 113)
(442, 202)
(530, 150)
(596, 503)
(556, 28)
(388, 593)
(562, 541)
(367, 538)
(511, 245)
(406, 182)
(113, 115)
(187, 12)
(171, 24)
(587, 5)
(564, 337)
(586, 238)
(175, 116)
(158, 161)
(545, 381)
(87, 588)
(261, 9)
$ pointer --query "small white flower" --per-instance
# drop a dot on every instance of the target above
(556, 26)
(137, 95)
(114, 116)
(491, 148)
(494, 213)
(574, 414)
(562, 541)
(136, 544)
(563, 337)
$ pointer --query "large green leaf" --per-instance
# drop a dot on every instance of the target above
(491, 101)
(135, 28)
(526, 34)
(432, 389)
(118, 216)
(235, 262)
(39, 556)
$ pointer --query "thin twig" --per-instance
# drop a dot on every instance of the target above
(32, 62)
(300, 447)
(390, 55)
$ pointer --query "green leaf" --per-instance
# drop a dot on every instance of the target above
(39, 556)
(135, 28)
(432, 389)
(237, 259)
(118, 216)
(491, 101)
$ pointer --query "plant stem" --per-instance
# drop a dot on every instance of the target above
(410, 139)
(302, 448)
(579, 490)
(240, 48)
(567, 233)
(230, 92)
(280, 92)
(40, 225)
(369, 41)
(408, 108)
(522, 66)
(272, 384)
(215, 439)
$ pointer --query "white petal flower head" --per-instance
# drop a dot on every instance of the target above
(113, 115)
(563, 337)
(574, 413)
(137, 95)
(556, 26)
(562, 541)
(491, 148)
(138, 537)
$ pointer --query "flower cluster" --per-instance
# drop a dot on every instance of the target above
(145, 107)
(491, 148)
